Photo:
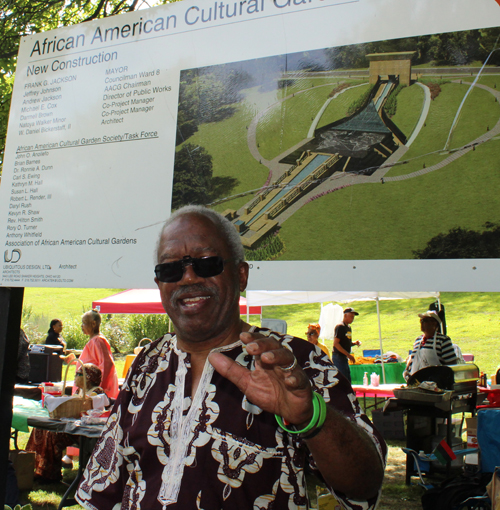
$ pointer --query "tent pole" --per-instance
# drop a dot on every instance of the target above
(380, 340)
(439, 309)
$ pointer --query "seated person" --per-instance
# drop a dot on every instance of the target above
(431, 348)
(93, 378)
(49, 446)
(54, 336)
(312, 335)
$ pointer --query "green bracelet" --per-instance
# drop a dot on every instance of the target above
(317, 420)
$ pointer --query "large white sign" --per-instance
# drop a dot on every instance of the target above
(315, 125)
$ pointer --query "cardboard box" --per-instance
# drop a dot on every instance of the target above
(24, 465)
(471, 428)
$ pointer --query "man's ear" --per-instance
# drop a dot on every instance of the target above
(243, 270)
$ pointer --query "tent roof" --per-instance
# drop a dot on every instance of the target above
(147, 301)
(288, 297)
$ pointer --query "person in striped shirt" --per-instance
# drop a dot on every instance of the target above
(431, 348)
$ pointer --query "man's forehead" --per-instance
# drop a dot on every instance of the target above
(180, 246)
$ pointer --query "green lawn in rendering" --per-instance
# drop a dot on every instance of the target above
(410, 101)
(287, 122)
(307, 82)
(226, 142)
(389, 221)
(479, 113)
(337, 109)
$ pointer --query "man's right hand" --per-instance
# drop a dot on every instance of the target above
(352, 359)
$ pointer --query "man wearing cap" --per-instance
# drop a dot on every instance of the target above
(312, 335)
(342, 343)
(431, 348)
(222, 415)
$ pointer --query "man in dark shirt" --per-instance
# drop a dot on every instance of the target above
(342, 343)
(195, 424)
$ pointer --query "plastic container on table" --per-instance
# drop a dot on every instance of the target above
(49, 388)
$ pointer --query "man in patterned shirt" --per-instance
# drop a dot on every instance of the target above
(194, 426)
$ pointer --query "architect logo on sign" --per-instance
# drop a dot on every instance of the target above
(14, 257)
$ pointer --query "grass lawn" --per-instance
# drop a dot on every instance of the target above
(410, 101)
(479, 112)
(337, 109)
(393, 219)
(55, 303)
(395, 494)
(226, 142)
(473, 324)
(288, 122)
(471, 317)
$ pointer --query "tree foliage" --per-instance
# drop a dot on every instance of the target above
(460, 243)
(448, 49)
(193, 179)
(391, 105)
(207, 95)
(192, 176)
(20, 18)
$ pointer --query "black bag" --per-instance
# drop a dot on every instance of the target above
(453, 492)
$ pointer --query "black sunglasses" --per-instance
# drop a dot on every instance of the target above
(204, 267)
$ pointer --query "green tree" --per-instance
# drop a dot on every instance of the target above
(20, 18)
(460, 243)
(207, 95)
(192, 176)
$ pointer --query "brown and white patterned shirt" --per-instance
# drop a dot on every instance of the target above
(161, 448)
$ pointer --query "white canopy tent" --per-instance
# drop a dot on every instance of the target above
(284, 297)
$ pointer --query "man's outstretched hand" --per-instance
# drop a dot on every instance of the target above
(345, 455)
(284, 392)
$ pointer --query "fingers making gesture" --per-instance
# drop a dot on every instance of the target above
(277, 385)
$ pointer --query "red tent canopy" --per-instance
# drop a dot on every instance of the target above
(148, 301)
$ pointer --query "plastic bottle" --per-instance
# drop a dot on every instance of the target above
(365, 379)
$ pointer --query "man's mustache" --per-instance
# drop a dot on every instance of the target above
(196, 287)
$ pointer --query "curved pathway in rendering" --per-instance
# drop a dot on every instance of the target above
(403, 149)
(341, 180)
(423, 114)
(453, 155)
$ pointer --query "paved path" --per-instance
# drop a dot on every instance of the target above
(423, 114)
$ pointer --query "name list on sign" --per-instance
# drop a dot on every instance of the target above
(129, 93)
(120, 112)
